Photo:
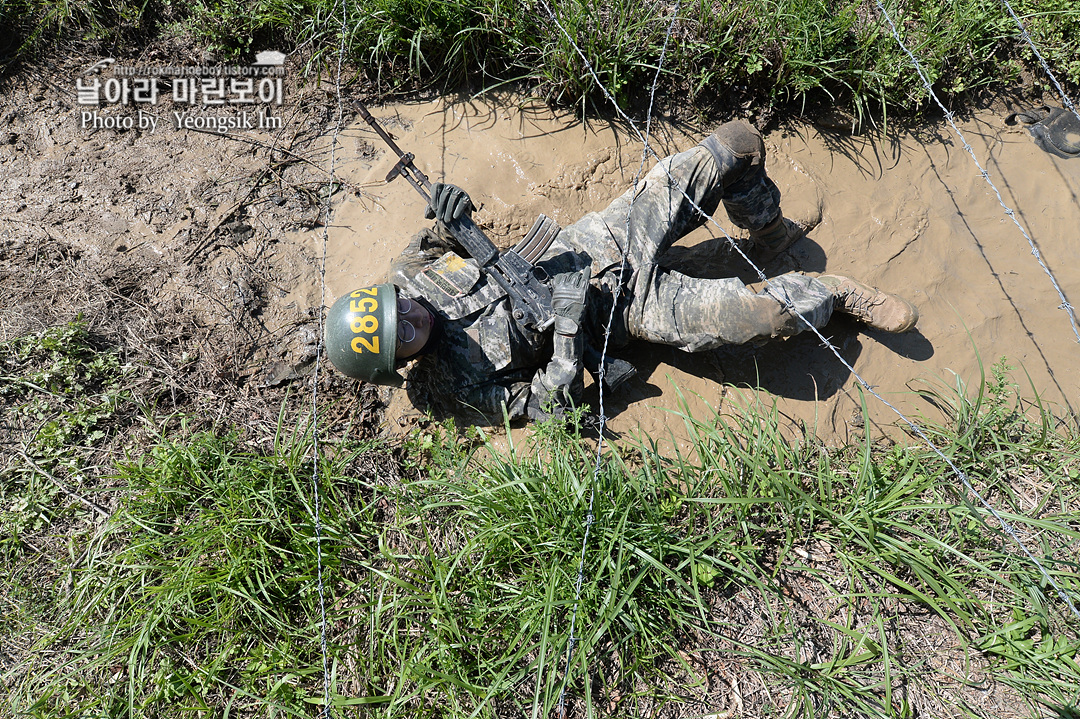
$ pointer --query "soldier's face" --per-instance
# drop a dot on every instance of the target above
(414, 327)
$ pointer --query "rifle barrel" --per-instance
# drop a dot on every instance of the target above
(413, 174)
(369, 119)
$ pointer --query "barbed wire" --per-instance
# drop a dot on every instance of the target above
(780, 297)
(1046, 67)
(985, 175)
(317, 504)
(590, 517)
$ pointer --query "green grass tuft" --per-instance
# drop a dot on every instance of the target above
(791, 53)
(855, 581)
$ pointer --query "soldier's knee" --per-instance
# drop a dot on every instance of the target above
(741, 138)
(738, 148)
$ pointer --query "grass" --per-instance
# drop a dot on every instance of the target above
(746, 571)
(769, 52)
(64, 390)
(199, 591)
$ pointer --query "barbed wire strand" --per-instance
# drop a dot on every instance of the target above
(590, 517)
(985, 175)
(779, 296)
(317, 504)
(1046, 66)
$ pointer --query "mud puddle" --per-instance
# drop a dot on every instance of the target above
(905, 210)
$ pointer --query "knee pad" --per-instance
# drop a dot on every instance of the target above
(737, 148)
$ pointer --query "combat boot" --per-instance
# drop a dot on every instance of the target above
(767, 243)
(877, 309)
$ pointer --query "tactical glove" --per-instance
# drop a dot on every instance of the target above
(555, 388)
(568, 300)
(448, 203)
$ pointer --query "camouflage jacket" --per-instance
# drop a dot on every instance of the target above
(489, 364)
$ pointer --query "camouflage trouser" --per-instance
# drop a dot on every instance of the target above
(694, 314)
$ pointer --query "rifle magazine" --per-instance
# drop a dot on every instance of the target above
(538, 239)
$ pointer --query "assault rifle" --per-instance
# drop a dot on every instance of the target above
(529, 297)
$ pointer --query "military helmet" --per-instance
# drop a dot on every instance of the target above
(361, 334)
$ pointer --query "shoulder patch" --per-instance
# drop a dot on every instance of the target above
(451, 275)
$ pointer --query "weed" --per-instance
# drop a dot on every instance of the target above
(61, 391)
(200, 588)
(451, 572)
(798, 52)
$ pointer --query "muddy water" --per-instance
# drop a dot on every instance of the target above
(906, 211)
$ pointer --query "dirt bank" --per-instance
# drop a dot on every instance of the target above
(167, 242)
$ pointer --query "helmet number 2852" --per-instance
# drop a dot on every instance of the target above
(368, 324)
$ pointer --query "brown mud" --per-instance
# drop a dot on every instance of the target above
(169, 244)
(202, 254)
(906, 210)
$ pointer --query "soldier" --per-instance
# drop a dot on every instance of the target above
(473, 357)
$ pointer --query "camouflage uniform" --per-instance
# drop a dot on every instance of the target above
(485, 361)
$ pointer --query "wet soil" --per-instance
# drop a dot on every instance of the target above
(169, 243)
(203, 253)
(905, 209)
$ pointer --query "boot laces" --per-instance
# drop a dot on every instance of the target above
(858, 303)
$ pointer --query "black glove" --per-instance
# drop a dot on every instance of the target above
(568, 300)
(448, 203)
